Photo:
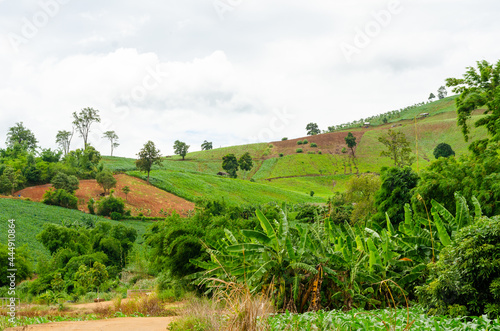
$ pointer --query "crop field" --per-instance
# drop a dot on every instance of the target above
(31, 216)
(383, 319)
(322, 186)
(256, 151)
(192, 186)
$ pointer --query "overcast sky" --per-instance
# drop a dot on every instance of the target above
(228, 71)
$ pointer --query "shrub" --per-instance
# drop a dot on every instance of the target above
(60, 198)
(320, 152)
(314, 145)
(68, 183)
(299, 150)
(311, 193)
(110, 204)
(91, 205)
(270, 146)
(311, 152)
(252, 180)
(305, 142)
(281, 154)
(443, 150)
(466, 279)
(299, 142)
(284, 138)
(116, 216)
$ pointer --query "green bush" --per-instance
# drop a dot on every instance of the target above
(311, 193)
(311, 152)
(110, 204)
(60, 198)
(281, 154)
(320, 152)
(314, 145)
(299, 142)
(284, 138)
(466, 279)
(299, 150)
(116, 216)
(305, 142)
(91, 206)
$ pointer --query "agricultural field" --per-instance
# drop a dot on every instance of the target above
(31, 216)
(382, 319)
(193, 186)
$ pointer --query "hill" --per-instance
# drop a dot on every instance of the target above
(281, 173)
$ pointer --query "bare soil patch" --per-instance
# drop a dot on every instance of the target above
(143, 197)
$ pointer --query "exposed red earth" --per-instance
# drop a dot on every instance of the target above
(143, 197)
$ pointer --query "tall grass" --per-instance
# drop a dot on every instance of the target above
(232, 307)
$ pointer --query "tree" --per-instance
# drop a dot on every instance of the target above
(90, 278)
(149, 155)
(113, 138)
(84, 120)
(432, 97)
(106, 180)
(126, 191)
(443, 150)
(466, 279)
(442, 93)
(361, 193)
(65, 182)
(312, 129)
(207, 145)
(479, 87)
(19, 135)
(350, 140)
(230, 164)
(398, 148)
(11, 180)
(395, 192)
(63, 139)
(245, 162)
(180, 148)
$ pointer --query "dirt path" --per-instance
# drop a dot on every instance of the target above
(113, 324)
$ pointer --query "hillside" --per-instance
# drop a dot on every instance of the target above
(143, 198)
(280, 173)
(31, 216)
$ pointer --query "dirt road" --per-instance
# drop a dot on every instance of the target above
(113, 324)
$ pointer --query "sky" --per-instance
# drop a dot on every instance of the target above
(228, 71)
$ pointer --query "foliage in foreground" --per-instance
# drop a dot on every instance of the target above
(466, 279)
(383, 319)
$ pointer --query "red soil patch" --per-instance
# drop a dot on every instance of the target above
(143, 197)
(328, 143)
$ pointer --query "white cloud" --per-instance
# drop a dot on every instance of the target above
(175, 70)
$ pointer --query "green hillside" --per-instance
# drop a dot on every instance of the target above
(280, 173)
(31, 216)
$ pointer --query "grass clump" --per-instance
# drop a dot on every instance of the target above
(232, 307)
(299, 150)
(299, 142)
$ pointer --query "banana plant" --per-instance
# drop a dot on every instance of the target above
(273, 258)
